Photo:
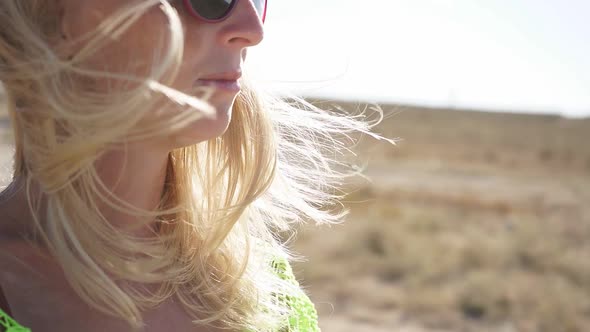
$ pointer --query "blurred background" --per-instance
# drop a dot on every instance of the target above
(479, 218)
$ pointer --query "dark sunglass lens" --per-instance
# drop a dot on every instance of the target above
(211, 9)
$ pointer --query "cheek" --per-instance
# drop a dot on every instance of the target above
(136, 52)
(133, 52)
(142, 45)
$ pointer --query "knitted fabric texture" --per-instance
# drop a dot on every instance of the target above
(304, 317)
(8, 324)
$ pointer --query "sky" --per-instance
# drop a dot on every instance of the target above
(530, 56)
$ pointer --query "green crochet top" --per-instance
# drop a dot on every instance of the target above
(303, 318)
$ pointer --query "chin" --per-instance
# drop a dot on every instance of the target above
(203, 130)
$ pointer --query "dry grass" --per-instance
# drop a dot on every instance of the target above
(443, 266)
(460, 232)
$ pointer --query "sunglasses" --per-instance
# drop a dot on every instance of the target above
(219, 10)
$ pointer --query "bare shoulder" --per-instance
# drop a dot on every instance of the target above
(41, 299)
(33, 284)
(39, 296)
(24, 278)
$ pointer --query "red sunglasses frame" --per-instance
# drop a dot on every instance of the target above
(193, 12)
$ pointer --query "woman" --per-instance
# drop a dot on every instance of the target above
(151, 182)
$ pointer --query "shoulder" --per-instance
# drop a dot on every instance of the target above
(15, 252)
(41, 299)
(24, 271)
(39, 295)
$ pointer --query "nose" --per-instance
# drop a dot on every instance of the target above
(243, 27)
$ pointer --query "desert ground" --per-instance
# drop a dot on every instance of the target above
(474, 221)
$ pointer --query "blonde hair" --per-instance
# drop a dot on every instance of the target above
(226, 200)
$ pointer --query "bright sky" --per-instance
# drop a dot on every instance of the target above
(514, 55)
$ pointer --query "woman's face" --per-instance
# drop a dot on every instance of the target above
(210, 49)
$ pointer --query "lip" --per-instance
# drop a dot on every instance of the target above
(226, 76)
(225, 85)
(225, 81)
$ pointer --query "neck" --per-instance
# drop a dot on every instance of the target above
(136, 175)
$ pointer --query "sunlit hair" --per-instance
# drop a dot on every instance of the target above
(228, 202)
